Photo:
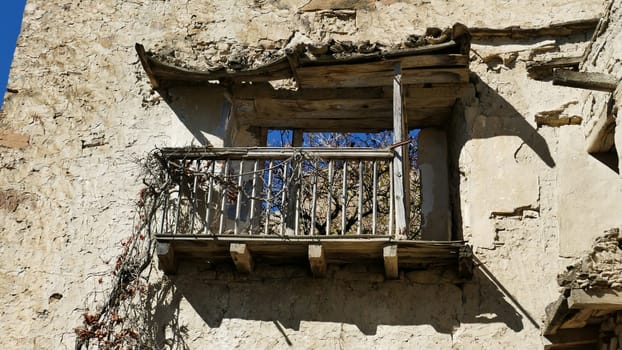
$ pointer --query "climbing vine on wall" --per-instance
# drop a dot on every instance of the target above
(115, 315)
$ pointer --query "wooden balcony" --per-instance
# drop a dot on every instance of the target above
(291, 205)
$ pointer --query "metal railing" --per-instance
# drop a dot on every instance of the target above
(277, 191)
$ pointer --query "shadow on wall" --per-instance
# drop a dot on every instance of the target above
(489, 115)
(289, 296)
(201, 110)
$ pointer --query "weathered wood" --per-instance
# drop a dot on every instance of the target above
(580, 299)
(543, 70)
(337, 249)
(465, 262)
(389, 255)
(555, 315)
(400, 161)
(315, 5)
(317, 260)
(581, 336)
(361, 75)
(585, 80)
(276, 153)
(601, 137)
(555, 29)
(242, 257)
(167, 260)
(579, 319)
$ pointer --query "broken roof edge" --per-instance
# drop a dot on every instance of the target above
(273, 64)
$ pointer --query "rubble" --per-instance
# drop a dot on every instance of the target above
(600, 269)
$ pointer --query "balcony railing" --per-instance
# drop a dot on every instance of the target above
(278, 191)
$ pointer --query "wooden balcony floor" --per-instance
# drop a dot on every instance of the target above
(246, 250)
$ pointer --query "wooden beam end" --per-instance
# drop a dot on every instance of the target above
(389, 253)
(167, 260)
(242, 257)
(317, 260)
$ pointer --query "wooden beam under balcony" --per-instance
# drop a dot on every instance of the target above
(303, 250)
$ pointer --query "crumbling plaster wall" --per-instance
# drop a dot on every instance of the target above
(84, 113)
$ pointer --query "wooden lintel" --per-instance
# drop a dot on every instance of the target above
(585, 80)
(242, 257)
(556, 29)
(317, 260)
(389, 254)
(167, 261)
(544, 70)
(609, 300)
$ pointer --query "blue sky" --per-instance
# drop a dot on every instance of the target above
(10, 22)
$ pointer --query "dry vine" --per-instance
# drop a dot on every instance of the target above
(118, 321)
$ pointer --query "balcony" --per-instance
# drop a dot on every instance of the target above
(291, 205)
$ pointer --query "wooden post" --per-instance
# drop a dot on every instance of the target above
(242, 258)
(389, 253)
(317, 260)
(291, 220)
(166, 258)
(400, 160)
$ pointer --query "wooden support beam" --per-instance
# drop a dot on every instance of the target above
(242, 257)
(572, 337)
(389, 253)
(578, 319)
(167, 261)
(543, 70)
(317, 260)
(400, 160)
(585, 80)
(465, 262)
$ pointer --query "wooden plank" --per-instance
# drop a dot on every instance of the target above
(585, 80)
(315, 5)
(580, 299)
(317, 260)
(544, 70)
(601, 137)
(555, 29)
(242, 257)
(167, 260)
(401, 180)
(389, 255)
(362, 76)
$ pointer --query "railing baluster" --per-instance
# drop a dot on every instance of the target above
(194, 195)
(283, 208)
(359, 229)
(329, 198)
(223, 200)
(391, 199)
(238, 200)
(179, 196)
(374, 198)
(165, 213)
(313, 199)
(253, 195)
(208, 205)
(268, 197)
(345, 197)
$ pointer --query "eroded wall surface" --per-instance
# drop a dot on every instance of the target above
(82, 114)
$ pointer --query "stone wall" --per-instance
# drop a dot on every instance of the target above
(83, 114)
